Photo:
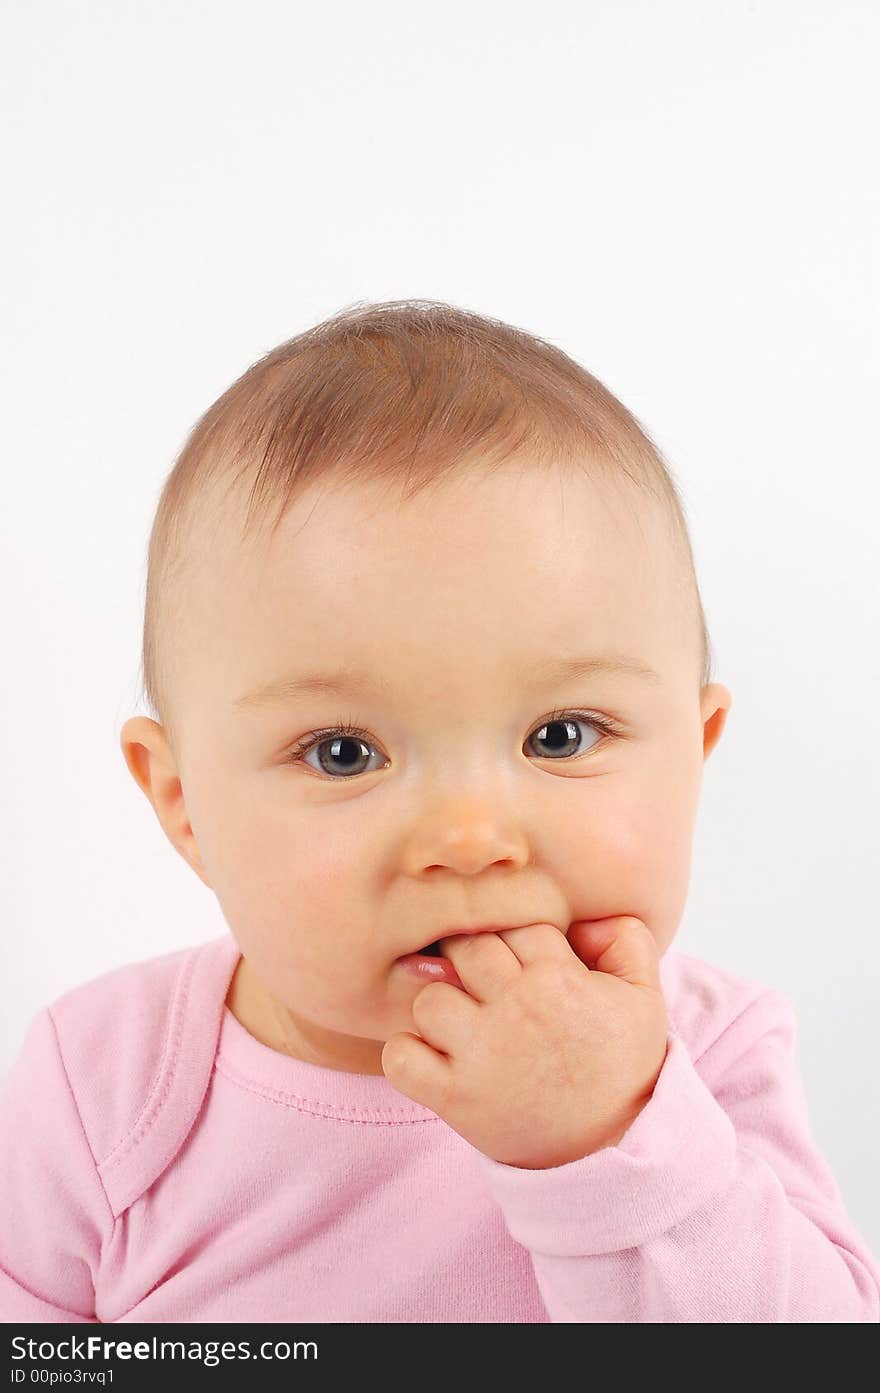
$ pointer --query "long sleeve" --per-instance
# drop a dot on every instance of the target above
(716, 1205)
(54, 1215)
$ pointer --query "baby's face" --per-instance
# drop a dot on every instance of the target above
(459, 801)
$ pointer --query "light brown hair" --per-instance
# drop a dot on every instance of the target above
(404, 389)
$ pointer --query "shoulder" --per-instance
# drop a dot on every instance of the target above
(715, 1009)
(112, 1033)
(137, 1045)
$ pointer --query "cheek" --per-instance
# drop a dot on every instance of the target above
(280, 880)
(632, 851)
(616, 839)
(655, 842)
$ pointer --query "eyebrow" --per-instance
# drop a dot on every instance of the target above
(351, 682)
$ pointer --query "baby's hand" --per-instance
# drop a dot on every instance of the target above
(540, 1060)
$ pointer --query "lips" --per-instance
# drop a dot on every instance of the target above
(427, 968)
(431, 964)
(434, 950)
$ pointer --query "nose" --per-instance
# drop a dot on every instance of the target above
(468, 838)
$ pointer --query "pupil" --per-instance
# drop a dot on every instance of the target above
(353, 750)
(561, 731)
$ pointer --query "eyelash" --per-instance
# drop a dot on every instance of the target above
(609, 729)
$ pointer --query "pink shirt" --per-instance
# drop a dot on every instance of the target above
(158, 1163)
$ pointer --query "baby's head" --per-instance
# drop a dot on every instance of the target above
(485, 559)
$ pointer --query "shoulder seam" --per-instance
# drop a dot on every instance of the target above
(75, 1101)
(161, 1086)
(177, 1093)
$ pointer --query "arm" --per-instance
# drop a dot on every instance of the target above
(714, 1206)
(54, 1215)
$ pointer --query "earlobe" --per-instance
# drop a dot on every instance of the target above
(715, 703)
(147, 753)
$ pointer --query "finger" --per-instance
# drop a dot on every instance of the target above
(445, 1017)
(416, 1070)
(486, 966)
(622, 946)
(536, 941)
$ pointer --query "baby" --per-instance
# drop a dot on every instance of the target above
(433, 686)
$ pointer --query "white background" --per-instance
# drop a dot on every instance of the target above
(682, 194)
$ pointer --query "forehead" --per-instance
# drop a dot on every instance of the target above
(499, 564)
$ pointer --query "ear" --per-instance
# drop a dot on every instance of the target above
(715, 702)
(151, 762)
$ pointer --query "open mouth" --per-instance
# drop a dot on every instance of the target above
(438, 970)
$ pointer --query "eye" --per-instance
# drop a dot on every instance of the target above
(347, 745)
(559, 731)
